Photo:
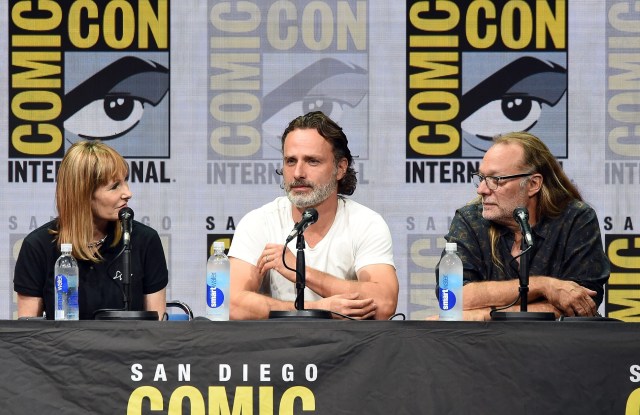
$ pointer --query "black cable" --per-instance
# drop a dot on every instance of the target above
(516, 268)
(298, 274)
(284, 251)
(496, 309)
(342, 315)
(357, 319)
(493, 310)
(398, 315)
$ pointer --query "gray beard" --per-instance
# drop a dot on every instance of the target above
(318, 195)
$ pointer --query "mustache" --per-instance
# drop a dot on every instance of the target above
(296, 183)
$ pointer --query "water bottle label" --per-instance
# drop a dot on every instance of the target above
(62, 286)
(73, 300)
(446, 299)
(212, 280)
(215, 296)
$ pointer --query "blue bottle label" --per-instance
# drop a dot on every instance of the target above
(73, 300)
(62, 286)
(446, 299)
(215, 296)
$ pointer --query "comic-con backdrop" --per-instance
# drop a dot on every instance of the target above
(195, 95)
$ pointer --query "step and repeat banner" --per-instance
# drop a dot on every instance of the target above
(195, 94)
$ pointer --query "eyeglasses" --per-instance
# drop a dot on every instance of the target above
(494, 181)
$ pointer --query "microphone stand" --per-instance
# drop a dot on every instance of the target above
(523, 314)
(126, 313)
(524, 278)
(301, 273)
(126, 276)
(301, 281)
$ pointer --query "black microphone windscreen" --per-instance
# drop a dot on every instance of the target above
(312, 214)
(126, 213)
(521, 213)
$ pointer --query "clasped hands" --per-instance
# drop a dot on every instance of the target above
(347, 303)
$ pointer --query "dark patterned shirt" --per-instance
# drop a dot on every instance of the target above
(568, 247)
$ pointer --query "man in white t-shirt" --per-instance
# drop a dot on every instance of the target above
(348, 253)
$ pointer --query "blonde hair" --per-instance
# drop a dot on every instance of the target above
(557, 190)
(85, 167)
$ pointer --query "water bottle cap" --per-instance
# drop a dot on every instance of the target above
(218, 245)
(451, 247)
(66, 247)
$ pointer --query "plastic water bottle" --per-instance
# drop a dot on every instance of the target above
(450, 290)
(66, 286)
(218, 284)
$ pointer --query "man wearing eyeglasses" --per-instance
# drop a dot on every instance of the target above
(567, 264)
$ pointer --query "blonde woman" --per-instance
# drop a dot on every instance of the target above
(91, 189)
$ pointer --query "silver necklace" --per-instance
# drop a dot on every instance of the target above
(96, 244)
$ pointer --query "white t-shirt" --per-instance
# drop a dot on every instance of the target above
(358, 237)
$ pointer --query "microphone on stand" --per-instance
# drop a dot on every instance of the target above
(521, 215)
(309, 217)
(126, 217)
(126, 220)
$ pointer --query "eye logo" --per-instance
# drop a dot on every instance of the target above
(116, 101)
(111, 102)
(512, 99)
(328, 85)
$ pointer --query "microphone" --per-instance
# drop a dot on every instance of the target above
(521, 215)
(126, 217)
(309, 217)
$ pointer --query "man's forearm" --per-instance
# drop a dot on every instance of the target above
(384, 292)
(248, 305)
(490, 294)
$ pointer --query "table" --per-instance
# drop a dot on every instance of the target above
(321, 367)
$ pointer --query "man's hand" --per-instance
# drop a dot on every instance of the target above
(271, 258)
(373, 295)
(348, 304)
(570, 298)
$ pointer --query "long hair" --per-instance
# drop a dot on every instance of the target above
(85, 167)
(557, 190)
(333, 133)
